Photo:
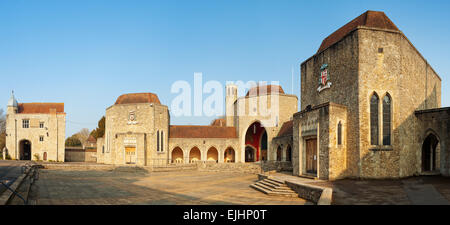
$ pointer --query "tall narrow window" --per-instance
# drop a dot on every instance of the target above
(157, 141)
(339, 133)
(387, 120)
(162, 141)
(374, 119)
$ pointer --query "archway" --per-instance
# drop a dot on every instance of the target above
(279, 153)
(289, 154)
(229, 155)
(25, 150)
(212, 155)
(429, 153)
(249, 154)
(195, 155)
(256, 140)
(45, 156)
(177, 155)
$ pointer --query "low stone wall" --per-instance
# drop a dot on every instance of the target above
(277, 165)
(77, 166)
(251, 168)
(316, 194)
(75, 154)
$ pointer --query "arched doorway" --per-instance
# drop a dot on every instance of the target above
(229, 155)
(279, 153)
(212, 155)
(256, 143)
(289, 154)
(177, 155)
(195, 155)
(429, 153)
(25, 150)
(249, 154)
(264, 146)
(45, 156)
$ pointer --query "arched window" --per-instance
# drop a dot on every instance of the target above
(157, 141)
(374, 119)
(339, 133)
(387, 120)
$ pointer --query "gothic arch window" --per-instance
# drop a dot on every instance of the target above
(339, 133)
(387, 120)
(374, 123)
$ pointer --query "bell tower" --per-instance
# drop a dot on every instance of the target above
(12, 105)
(230, 99)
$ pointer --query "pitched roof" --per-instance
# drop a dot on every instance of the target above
(91, 139)
(286, 129)
(221, 122)
(138, 98)
(258, 90)
(373, 19)
(40, 108)
(202, 132)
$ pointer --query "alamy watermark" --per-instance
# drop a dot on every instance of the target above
(235, 98)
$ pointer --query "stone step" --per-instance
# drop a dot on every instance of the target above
(309, 176)
(274, 190)
(283, 194)
(275, 180)
(270, 183)
(261, 189)
(264, 186)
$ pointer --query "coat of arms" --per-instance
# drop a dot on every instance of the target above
(132, 118)
(324, 79)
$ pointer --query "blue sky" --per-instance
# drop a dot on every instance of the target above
(87, 53)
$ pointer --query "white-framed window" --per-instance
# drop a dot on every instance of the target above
(41, 124)
(41, 138)
(26, 123)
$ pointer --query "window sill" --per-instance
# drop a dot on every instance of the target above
(381, 148)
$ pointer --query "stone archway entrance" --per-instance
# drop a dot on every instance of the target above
(229, 155)
(212, 155)
(25, 150)
(429, 154)
(256, 143)
(177, 155)
(249, 154)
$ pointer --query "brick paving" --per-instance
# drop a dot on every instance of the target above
(62, 187)
(424, 190)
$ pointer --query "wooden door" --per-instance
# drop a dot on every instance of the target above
(130, 155)
(311, 156)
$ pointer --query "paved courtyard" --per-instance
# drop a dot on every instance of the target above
(62, 187)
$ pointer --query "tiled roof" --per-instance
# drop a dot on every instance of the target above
(286, 129)
(202, 132)
(40, 108)
(258, 90)
(91, 139)
(138, 98)
(373, 19)
(221, 122)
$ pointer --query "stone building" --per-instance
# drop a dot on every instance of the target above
(370, 107)
(35, 131)
(138, 130)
